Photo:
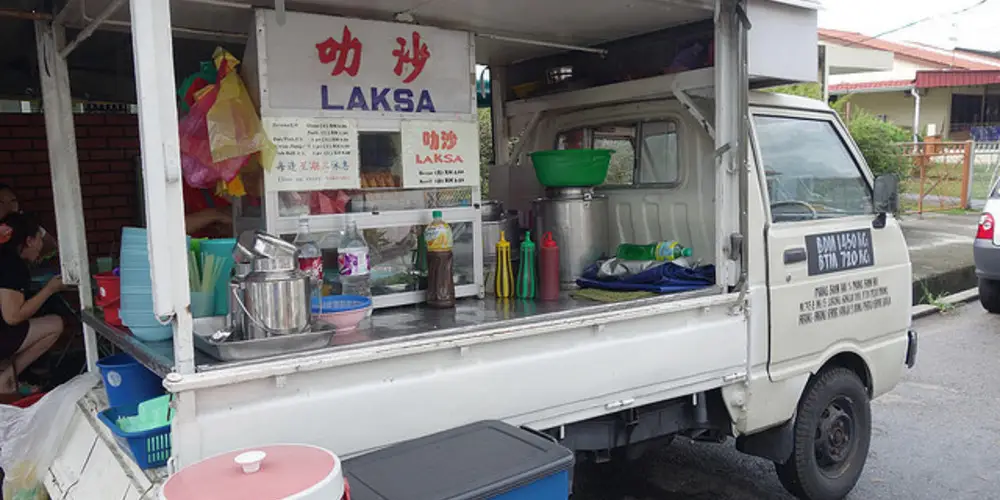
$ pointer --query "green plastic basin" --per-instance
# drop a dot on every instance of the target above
(571, 167)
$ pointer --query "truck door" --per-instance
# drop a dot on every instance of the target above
(833, 278)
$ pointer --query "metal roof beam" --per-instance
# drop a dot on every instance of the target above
(89, 30)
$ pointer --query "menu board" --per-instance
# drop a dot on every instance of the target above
(440, 154)
(313, 154)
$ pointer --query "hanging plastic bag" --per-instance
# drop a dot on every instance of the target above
(234, 128)
(199, 169)
(31, 437)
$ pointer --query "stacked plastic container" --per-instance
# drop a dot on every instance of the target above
(137, 289)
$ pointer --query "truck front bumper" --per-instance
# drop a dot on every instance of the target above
(911, 348)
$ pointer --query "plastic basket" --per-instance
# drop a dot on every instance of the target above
(150, 448)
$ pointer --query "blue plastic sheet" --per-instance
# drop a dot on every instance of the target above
(663, 279)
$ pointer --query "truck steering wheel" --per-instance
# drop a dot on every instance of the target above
(813, 213)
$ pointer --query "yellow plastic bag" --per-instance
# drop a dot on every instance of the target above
(234, 127)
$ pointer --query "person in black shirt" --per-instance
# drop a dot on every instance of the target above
(23, 338)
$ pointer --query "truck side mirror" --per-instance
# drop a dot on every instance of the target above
(886, 198)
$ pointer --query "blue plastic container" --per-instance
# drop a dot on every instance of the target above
(221, 248)
(134, 302)
(150, 448)
(488, 459)
(127, 382)
(340, 303)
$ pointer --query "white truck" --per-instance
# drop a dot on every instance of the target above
(808, 320)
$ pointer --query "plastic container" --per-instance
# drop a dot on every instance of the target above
(108, 288)
(220, 248)
(344, 312)
(109, 297)
(150, 448)
(548, 269)
(571, 167)
(483, 460)
(273, 472)
(127, 382)
(203, 304)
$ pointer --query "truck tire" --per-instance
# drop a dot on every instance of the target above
(989, 295)
(832, 434)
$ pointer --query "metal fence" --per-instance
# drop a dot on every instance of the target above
(940, 176)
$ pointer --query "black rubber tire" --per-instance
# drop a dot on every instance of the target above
(802, 475)
(989, 295)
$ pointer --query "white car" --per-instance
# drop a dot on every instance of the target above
(986, 254)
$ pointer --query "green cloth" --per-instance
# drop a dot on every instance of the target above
(609, 295)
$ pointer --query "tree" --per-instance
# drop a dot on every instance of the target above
(485, 148)
(878, 140)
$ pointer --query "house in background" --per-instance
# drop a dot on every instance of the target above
(954, 94)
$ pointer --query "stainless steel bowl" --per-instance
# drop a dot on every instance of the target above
(271, 246)
(281, 263)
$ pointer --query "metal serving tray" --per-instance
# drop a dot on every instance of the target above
(241, 350)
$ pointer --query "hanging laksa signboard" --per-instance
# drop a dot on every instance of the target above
(314, 62)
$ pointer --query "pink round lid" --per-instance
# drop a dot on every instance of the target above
(287, 471)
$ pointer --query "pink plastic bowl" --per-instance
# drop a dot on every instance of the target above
(344, 321)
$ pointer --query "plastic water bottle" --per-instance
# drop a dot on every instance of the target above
(664, 250)
(354, 262)
(310, 256)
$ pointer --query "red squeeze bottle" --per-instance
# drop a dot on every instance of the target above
(548, 269)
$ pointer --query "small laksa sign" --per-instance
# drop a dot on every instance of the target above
(440, 154)
(316, 62)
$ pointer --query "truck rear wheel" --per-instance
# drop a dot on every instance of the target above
(832, 434)
(989, 295)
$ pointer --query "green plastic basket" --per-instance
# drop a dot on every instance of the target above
(571, 167)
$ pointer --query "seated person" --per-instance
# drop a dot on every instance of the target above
(23, 337)
(9, 204)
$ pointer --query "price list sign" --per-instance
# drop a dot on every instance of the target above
(313, 154)
(440, 154)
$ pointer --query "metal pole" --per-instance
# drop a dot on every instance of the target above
(152, 48)
(61, 137)
(89, 30)
(916, 115)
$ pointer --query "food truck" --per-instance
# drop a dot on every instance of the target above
(800, 311)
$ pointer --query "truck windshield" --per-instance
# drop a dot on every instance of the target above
(810, 173)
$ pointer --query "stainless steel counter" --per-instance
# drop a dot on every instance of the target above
(388, 325)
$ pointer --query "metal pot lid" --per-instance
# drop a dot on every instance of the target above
(279, 264)
(265, 473)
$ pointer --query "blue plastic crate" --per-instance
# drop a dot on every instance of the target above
(151, 448)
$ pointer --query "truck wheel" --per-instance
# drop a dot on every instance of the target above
(989, 295)
(831, 437)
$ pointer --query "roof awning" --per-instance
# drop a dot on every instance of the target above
(580, 23)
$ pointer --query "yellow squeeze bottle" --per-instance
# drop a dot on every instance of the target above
(504, 271)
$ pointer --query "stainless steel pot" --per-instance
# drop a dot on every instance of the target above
(578, 220)
(492, 210)
(276, 304)
(491, 235)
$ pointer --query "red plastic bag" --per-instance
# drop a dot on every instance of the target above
(196, 154)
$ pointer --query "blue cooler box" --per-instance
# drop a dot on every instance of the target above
(485, 460)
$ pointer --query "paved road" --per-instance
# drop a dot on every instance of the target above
(936, 436)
